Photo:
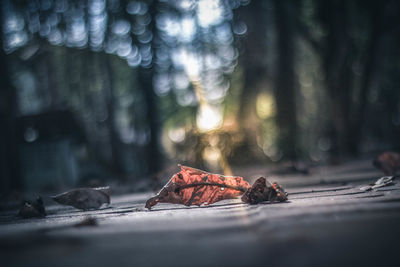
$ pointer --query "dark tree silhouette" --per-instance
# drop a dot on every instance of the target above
(286, 82)
(9, 159)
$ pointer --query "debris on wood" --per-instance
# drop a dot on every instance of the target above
(32, 209)
(84, 198)
(388, 163)
(195, 187)
(366, 188)
(262, 190)
(383, 181)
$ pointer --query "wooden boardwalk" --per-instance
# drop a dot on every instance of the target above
(328, 221)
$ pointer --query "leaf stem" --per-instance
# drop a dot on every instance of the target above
(238, 188)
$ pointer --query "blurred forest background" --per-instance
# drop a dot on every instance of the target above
(120, 89)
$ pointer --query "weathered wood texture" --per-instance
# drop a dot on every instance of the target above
(328, 221)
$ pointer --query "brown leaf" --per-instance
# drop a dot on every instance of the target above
(84, 198)
(194, 187)
(388, 162)
(262, 190)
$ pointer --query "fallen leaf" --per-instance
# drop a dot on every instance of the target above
(84, 198)
(262, 190)
(381, 182)
(195, 187)
(388, 162)
(32, 209)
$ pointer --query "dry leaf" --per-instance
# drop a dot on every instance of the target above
(262, 190)
(195, 187)
(388, 162)
(84, 198)
(32, 209)
(381, 182)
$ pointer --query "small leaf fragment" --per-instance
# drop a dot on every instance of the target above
(262, 190)
(84, 198)
(381, 182)
(192, 186)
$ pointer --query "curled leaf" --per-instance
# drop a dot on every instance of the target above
(262, 190)
(195, 187)
(84, 198)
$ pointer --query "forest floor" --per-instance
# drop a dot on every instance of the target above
(328, 221)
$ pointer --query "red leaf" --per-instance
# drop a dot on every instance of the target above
(194, 187)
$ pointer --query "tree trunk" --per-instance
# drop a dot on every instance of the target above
(285, 83)
(336, 59)
(154, 155)
(252, 61)
(337, 53)
(152, 110)
(116, 161)
(9, 150)
(52, 85)
(253, 64)
(368, 74)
